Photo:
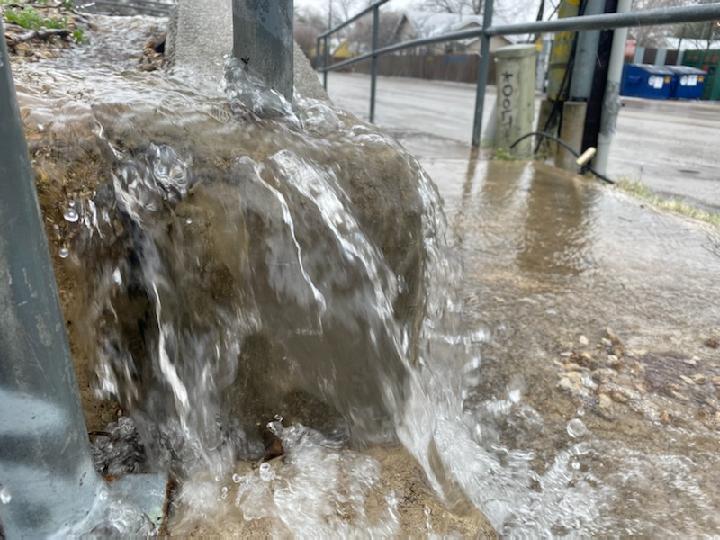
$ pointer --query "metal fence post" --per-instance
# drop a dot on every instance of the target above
(263, 39)
(611, 100)
(484, 69)
(46, 473)
(374, 61)
(325, 62)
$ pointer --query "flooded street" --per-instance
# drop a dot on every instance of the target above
(319, 329)
(551, 262)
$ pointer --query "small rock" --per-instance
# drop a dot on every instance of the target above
(690, 361)
(699, 378)
(566, 354)
(686, 379)
(584, 341)
(665, 417)
(585, 359)
(603, 375)
(618, 396)
(716, 380)
(712, 342)
(606, 342)
(614, 362)
(571, 382)
(604, 401)
(679, 395)
(573, 367)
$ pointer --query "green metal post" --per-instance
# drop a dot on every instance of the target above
(483, 71)
(263, 39)
(374, 61)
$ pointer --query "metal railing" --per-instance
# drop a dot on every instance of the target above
(156, 8)
(608, 21)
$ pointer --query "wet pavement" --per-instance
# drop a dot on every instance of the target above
(669, 146)
(598, 309)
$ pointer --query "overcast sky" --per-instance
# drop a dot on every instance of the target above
(322, 4)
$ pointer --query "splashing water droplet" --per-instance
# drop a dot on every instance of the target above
(236, 478)
(71, 204)
(71, 215)
(224, 493)
(117, 277)
(5, 496)
(266, 472)
(64, 252)
(188, 221)
(576, 428)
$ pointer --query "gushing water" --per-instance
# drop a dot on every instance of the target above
(243, 258)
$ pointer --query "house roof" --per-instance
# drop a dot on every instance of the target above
(428, 24)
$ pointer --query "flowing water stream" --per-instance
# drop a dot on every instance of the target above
(248, 278)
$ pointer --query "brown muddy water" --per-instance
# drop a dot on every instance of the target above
(536, 353)
(597, 309)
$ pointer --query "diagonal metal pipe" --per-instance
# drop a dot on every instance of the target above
(47, 480)
(46, 470)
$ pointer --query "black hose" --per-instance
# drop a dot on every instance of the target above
(566, 146)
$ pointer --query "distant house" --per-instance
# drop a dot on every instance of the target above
(414, 24)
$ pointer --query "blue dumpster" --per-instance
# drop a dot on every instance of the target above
(688, 82)
(645, 81)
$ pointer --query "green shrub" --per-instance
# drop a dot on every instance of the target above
(32, 20)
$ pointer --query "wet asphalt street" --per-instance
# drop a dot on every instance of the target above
(669, 146)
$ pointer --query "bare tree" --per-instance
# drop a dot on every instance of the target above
(655, 36)
(387, 33)
(510, 10)
(308, 25)
(451, 6)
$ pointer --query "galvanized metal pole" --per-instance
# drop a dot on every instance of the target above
(611, 101)
(46, 472)
(483, 70)
(374, 61)
(326, 62)
(585, 56)
(263, 39)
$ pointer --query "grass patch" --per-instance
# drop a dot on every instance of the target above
(31, 19)
(78, 35)
(668, 204)
(503, 154)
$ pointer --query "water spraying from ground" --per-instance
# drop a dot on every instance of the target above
(271, 295)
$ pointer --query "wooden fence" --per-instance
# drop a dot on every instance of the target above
(446, 67)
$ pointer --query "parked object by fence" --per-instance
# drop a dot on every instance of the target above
(650, 82)
(515, 97)
(688, 82)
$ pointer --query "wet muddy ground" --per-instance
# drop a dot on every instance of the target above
(598, 309)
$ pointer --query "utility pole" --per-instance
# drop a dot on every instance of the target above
(558, 75)
(599, 84)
